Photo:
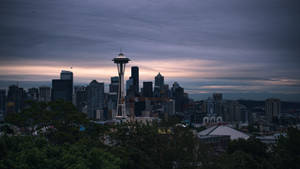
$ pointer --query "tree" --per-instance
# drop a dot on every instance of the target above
(32, 152)
(286, 152)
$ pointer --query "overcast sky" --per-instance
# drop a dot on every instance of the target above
(233, 46)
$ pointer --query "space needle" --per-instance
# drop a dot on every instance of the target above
(121, 61)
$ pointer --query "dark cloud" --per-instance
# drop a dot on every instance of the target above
(248, 41)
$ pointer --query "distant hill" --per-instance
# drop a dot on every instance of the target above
(284, 105)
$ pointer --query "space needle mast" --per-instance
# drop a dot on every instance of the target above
(121, 61)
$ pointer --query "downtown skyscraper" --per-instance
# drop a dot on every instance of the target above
(62, 89)
(135, 78)
(95, 99)
(147, 89)
(2, 101)
(159, 81)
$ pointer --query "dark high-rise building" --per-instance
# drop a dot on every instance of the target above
(158, 85)
(218, 103)
(139, 107)
(15, 98)
(33, 94)
(62, 89)
(272, 109)
(156, 91)
(114, 84)
(135, 78)
(45, 94)
(174, 87)
(178, 95)
(112, 104)
(130, 87)
(81, 97)
(165, 91)
(66, 75)
(95, 99)
(2, 101)
(235, 111)
(132, 84)
(147, 89)
(179, 99)
(113, 96)
(218, 96)
(159, 81)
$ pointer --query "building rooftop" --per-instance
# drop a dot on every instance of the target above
(66, 71)
(223, 131)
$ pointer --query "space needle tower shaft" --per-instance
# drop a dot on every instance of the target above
(121, 61)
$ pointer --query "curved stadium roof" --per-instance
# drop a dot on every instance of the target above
(223, 130)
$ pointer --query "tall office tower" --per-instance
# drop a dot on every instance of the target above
(159, 81)
(15, 98)
(218, 96)
(210, 106)
(129, 84)
(218, 106)
(121, 61)
(62, 89)
(272, 108)
(45, 94)
(179, 99)
(139, 107)
(173, 88)
(113, 96)
(33, 94)
(175, 85)
(2, 101)
(81, 97)
(135, 78)
(178, 95)
(158, 85)
(233, 112)
(114, 84)
(95, 99)
(169, 107)
(165, 91)
(112, 104)
(130, 87)
(147, 89)
(66, 75)
(156, 91)
(244, 114)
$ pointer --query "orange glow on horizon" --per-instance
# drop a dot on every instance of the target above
(148, 69)
(171, 68)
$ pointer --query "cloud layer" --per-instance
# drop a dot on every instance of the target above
(208, 46)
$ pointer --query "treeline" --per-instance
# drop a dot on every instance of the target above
(55, 135)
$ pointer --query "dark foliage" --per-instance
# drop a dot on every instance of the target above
(50, 137)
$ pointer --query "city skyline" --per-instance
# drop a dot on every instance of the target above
(242, 49)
